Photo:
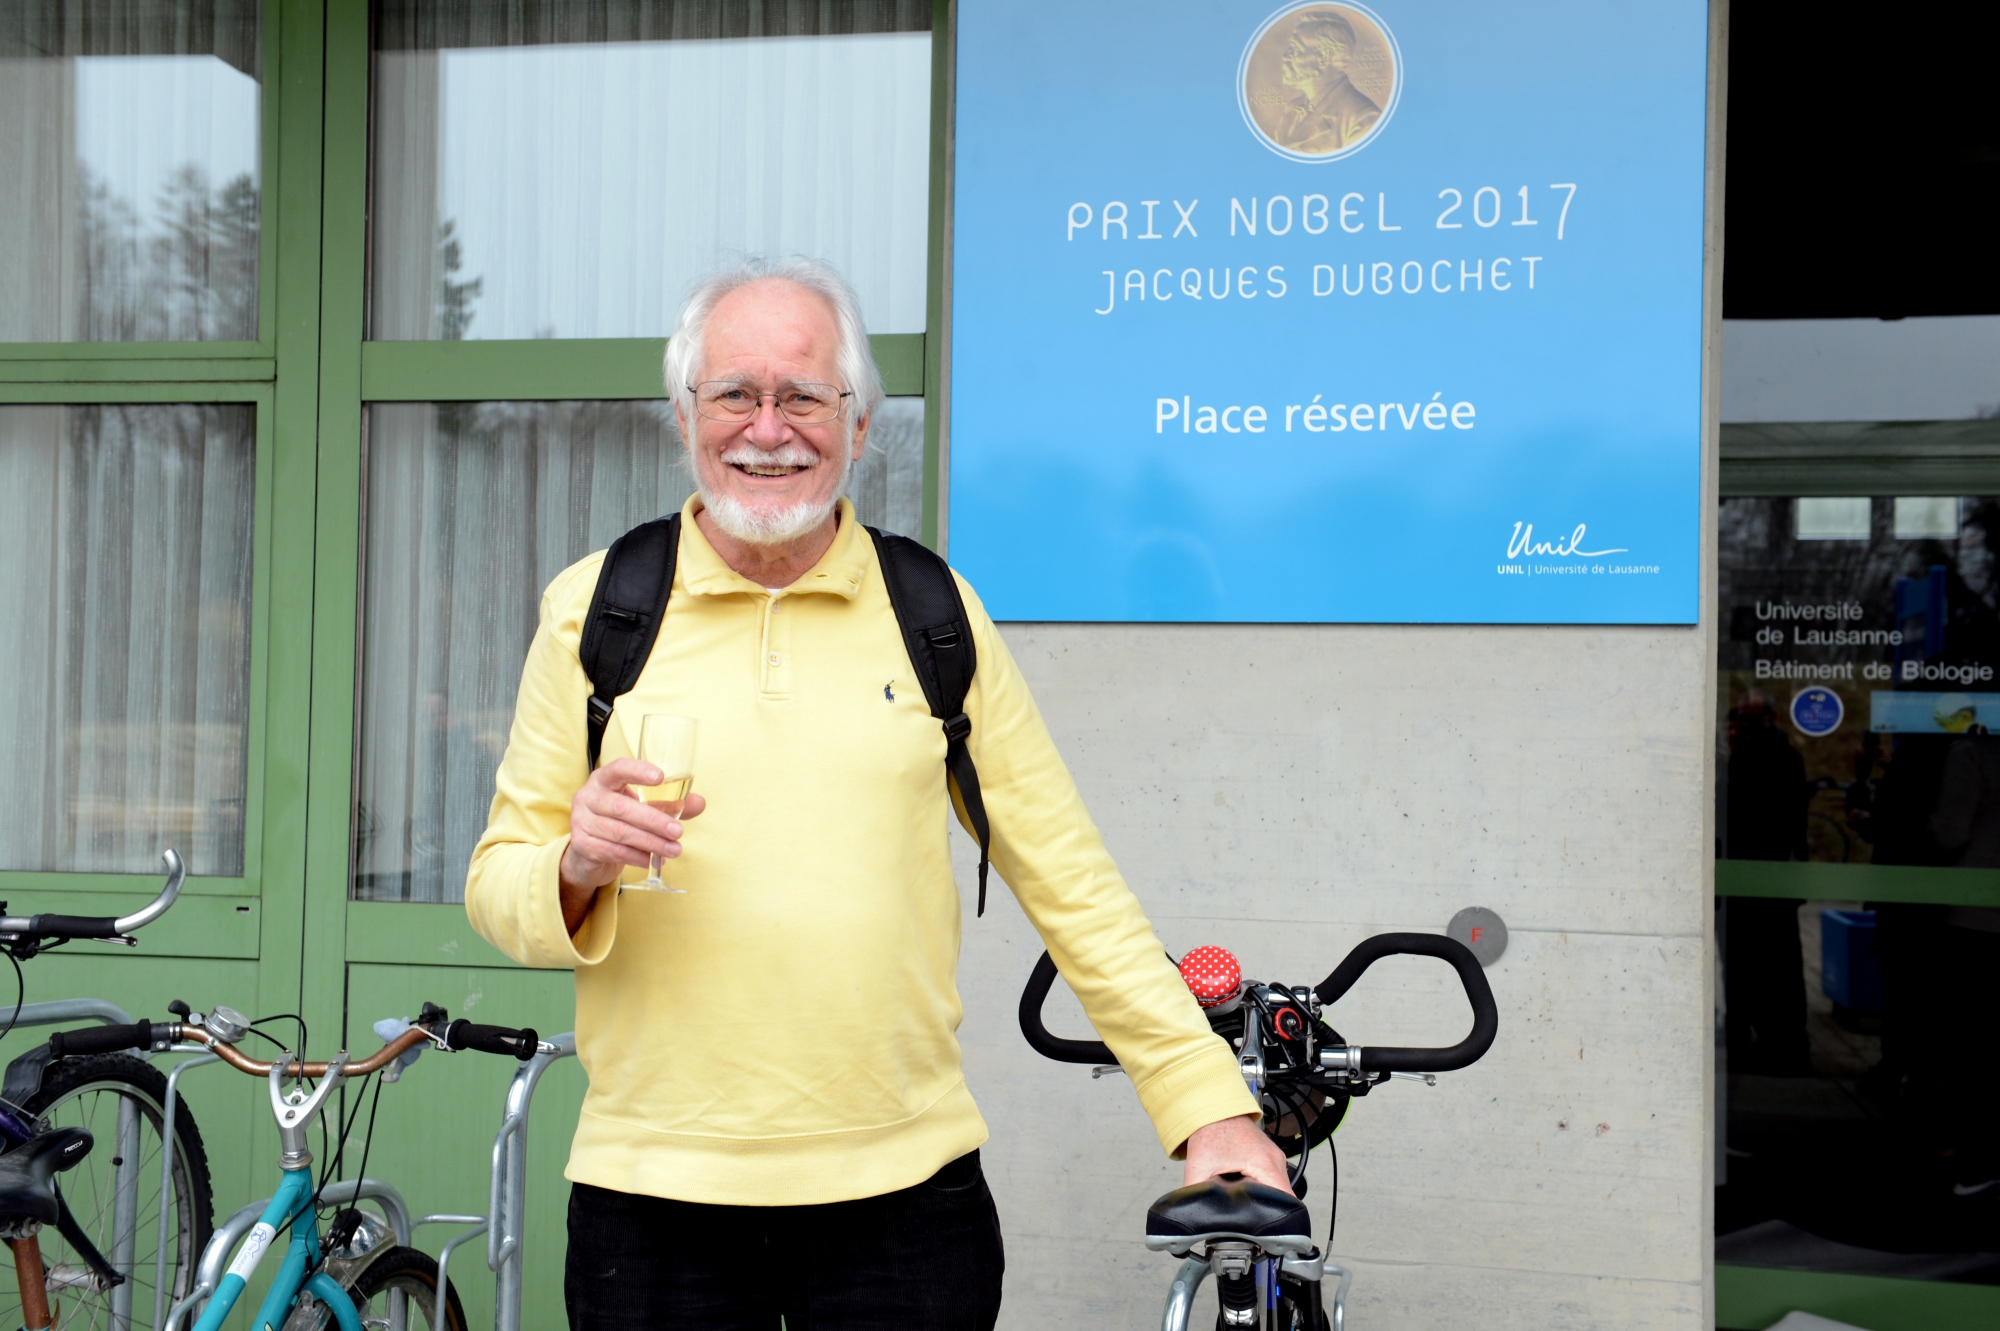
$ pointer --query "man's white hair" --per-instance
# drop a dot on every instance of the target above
(853, 359)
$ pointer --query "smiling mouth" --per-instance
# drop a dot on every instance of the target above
(772, 472)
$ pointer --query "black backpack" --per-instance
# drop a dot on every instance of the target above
(630, 603)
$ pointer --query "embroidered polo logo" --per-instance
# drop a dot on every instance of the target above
(886, 691)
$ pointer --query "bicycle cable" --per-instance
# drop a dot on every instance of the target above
(367, 1141)
(20, 995)
(329, 1171)
(304, 1039)
(333, 1238)
(1333, 1201)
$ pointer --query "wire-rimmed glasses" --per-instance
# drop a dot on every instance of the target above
(734, 401)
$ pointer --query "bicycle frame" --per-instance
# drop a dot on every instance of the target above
(292, 1203)
(1180, 1299)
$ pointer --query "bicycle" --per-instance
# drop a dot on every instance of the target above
(361, 1269)
(1255, 1240)
(56, 1100)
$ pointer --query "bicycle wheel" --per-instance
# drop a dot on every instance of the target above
(414, 1276)
(119, 1099)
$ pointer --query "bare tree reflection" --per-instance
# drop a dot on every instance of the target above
(186, 273)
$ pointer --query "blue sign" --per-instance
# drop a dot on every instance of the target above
(1342, 312)
(1817, 711)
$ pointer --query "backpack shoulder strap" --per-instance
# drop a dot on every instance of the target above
(625, 615)
(938, 636)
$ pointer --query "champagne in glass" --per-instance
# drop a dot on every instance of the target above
(667, 742)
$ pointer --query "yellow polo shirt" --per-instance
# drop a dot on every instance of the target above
(785, 1032)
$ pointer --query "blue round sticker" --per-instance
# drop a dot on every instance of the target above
(1817, 711)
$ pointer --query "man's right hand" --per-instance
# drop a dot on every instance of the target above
(611, 827)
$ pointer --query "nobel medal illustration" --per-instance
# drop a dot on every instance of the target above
(1319, 81)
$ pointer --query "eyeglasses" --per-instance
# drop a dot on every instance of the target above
(733, 401)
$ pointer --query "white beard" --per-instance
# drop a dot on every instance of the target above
(770, 527)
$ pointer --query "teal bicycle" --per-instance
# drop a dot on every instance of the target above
(361, 1274)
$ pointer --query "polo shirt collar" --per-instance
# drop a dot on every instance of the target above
(839, 572)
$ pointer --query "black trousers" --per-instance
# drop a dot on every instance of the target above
(927, 1258)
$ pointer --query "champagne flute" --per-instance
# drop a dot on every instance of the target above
(667, 742)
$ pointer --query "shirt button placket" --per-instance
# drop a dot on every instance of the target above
(777, 650)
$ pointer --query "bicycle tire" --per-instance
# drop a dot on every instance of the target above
(86, 1092)
(413, 1274)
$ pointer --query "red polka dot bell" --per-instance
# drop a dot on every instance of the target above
(1212, 974)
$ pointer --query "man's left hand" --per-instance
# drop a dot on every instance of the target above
(1235, 1146)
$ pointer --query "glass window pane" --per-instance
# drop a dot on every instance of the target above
(566, 168)
(1842, 518)
(1851, 670)
(129, 138)
(1858, 722)
(125, 533)
(472, 509)
(1928, 516)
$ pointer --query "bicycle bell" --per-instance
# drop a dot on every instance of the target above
(226, 1024)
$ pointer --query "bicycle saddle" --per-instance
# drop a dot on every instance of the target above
(28, 1173)
(1233, 1209)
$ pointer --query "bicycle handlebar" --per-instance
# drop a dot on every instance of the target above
(1485, 1014)
(146, 1034)
(1040, 981)
(100, 926)
(522, 1044)
(104, 1039)
(1386, 1059)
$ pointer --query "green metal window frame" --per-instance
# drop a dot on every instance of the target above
(181, 362)
(312, 296)
(218, 916)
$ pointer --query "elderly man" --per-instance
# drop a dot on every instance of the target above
(777, 1122)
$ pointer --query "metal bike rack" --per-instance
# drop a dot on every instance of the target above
(125, 1176)
(504, 1224)
(507, 1202)
(215, 1257)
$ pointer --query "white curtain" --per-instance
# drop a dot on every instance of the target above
(129, 144)
(546, 168)
(472, 509)
(125, 536)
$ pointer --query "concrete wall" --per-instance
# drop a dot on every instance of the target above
(1287, 791)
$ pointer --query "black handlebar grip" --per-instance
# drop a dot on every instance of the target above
(463, 1034)
(1040, 981)
(73, 926)
(1485, 1014)
(101, 1040)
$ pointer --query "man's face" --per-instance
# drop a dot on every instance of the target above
(768, 476)
(1308, 58)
